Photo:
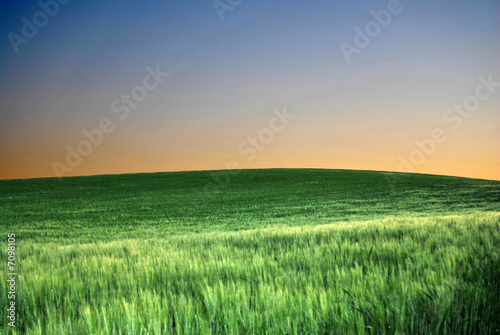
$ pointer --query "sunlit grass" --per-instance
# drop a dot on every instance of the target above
(391, 276)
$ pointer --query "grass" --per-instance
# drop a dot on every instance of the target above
(260, 252)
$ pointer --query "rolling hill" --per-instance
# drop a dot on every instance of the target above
(278, 251)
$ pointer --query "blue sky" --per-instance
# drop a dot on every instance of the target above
(226, 76)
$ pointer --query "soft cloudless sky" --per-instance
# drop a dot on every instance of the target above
(227, 76)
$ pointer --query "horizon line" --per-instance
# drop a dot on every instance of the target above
(247, 169)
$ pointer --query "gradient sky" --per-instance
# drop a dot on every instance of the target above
(227, 76)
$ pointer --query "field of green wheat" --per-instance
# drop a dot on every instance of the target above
(279, 251)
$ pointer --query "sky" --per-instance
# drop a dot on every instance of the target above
(93, 87)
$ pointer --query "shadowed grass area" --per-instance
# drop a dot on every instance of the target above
(267, 251)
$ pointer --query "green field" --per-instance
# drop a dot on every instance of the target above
(279, 251)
